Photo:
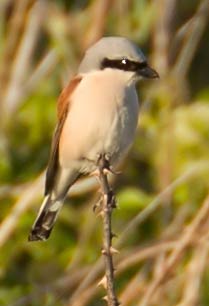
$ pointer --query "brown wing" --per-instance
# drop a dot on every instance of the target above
(62, 111)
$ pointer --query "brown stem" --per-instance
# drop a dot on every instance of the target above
(108, 206)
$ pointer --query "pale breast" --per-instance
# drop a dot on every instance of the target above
(102, 118)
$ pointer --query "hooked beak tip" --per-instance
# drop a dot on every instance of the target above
(149, 73)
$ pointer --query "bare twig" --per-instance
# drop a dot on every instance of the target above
(126, 260)
(107, 251)
(66, 282)
(196, 169)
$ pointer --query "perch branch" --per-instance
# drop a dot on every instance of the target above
(193, 171)
(107, 251)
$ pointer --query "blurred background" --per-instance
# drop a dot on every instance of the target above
(162, 220)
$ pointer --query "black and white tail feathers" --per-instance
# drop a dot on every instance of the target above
(45, 220)
(58, 179)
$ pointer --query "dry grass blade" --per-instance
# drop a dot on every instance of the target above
(143, 215)
(23, 57)
(137, 256)
(9, 223)
(29, 194)
(40, 73)
(195, 30)
(60, 287)
(177, 252)
(16, 23)
(100, 10)
(193, 276)
(134, 288)
(162, 34)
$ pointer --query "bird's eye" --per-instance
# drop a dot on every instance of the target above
(124, 61)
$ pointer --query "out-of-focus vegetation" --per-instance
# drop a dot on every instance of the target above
(162, 223)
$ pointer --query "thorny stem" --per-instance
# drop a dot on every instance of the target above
(108, 206)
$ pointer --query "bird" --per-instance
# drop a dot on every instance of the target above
(97, 113)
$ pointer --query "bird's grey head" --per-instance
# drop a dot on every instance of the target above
(116, 53)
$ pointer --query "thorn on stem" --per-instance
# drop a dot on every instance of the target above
(105, 298)
(113, 235)
(100, 214)
(103, 282)
(104, 252)
(113, 250)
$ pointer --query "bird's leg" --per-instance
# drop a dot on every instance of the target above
(104, 170)
(108, 167)
(104, 165)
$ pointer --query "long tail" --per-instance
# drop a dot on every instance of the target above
(45, 220)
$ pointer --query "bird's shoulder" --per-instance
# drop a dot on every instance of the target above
(65, 96)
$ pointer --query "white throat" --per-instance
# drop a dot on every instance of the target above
(114, 75)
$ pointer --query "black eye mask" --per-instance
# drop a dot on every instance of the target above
(123, 64)
(141, 69)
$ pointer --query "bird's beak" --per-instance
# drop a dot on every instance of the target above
(148, 72)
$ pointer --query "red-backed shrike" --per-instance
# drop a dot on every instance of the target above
(97, 114)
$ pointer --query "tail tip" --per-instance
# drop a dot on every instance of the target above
(39, 235)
